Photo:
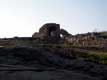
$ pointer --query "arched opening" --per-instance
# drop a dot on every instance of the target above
(51, 29)
(61, 35)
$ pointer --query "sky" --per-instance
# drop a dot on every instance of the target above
(24, 17)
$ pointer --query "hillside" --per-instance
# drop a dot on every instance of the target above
(46, 63)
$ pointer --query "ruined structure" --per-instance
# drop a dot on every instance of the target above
(64, 33)
(48, 33)
(51, 32)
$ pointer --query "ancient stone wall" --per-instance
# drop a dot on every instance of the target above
(51, 33)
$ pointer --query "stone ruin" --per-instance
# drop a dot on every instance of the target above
(50, 32)
(64, 33)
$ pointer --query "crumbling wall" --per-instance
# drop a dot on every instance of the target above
(49, 32)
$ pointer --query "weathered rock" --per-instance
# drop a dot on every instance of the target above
(36, 34)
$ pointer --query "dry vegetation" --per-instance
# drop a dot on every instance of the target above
(93, 54)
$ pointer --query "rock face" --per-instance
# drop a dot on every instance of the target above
(51, 32)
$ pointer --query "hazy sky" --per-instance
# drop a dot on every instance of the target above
(24, 17)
